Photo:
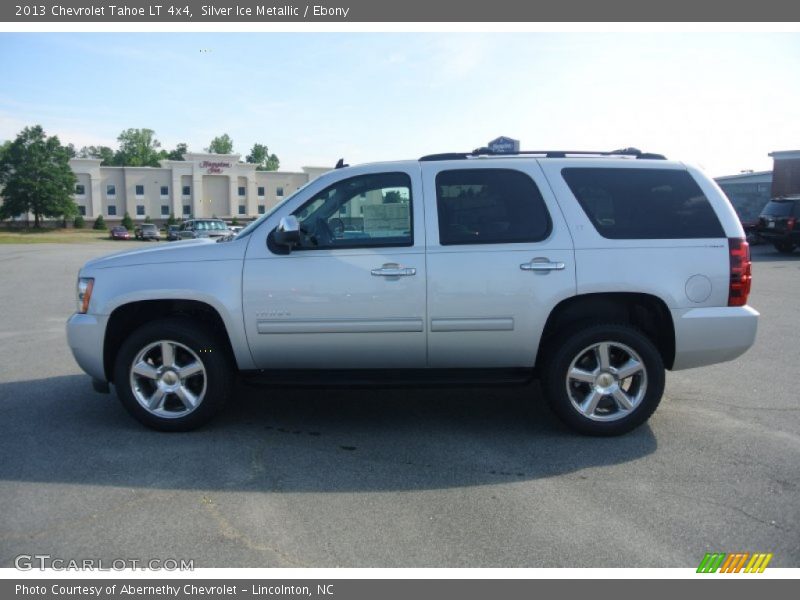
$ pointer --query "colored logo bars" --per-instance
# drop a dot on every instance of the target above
(734, 563)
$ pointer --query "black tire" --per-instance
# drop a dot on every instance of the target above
(189, 336)
(785, 247)
(574, 345)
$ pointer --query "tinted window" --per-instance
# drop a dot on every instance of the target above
(643, 203)
(164, 190)
(187, 190)
(187, 210)
(111, 190)
(140, 209)
(80, 190)
(140, 190)
(489, 206)
(778, 209)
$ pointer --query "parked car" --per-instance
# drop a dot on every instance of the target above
(203, 228)
(778, 224)
(593, 271)
(119, 232)
(172, 232)
(147, 231)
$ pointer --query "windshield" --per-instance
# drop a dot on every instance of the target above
(254, 225)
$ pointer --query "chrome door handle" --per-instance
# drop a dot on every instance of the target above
(394, 271)
(540, 265)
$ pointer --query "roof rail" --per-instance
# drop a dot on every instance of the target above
(633, 152)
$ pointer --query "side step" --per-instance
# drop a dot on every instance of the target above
(304, 378)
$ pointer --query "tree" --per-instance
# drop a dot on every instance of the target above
(99, 223)
(222, 144)
(127, 222)
(138, 148)
(103, 152)
(147, 219)
(178, 153)
(79, 222)
(172, 220)
(264, 161)
(35, 173)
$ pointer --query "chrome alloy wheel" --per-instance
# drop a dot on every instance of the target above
(606, 381)
(168, 379)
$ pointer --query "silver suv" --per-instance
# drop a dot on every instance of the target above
(593, 271)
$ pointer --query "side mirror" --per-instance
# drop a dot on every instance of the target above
(288, 232)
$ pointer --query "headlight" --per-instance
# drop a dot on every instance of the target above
(85, 285)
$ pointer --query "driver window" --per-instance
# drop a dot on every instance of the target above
(365, 211)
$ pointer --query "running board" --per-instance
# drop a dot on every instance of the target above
(304, 378)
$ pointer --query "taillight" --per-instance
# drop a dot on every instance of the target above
(790, 223)
(739, 288)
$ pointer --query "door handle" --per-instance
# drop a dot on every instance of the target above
(394, 271)
(542, 264)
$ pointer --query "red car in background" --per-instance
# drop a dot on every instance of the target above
(120, 233)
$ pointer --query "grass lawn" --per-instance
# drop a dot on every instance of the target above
(51, 236)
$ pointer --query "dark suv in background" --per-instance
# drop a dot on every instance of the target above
(778, 223)
(147, 231)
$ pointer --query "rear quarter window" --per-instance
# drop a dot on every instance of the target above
(643, 203)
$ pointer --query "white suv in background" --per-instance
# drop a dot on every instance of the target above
(594, 271)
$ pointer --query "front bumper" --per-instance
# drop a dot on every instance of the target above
(85, 335)
(705, 336)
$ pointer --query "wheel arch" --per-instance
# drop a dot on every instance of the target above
(128, 317)
(646, 312)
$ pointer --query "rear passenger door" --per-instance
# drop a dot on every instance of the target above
(499, 258)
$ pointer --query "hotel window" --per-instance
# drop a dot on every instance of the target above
(140, 190)
(261, 191)
(262, 209)
(82, 211)
(112, 211)
(187, 210)
(279, 192)
(241, 190)
(80, 190)
(242, 209)
(140, 210)
(111, 190)
(164, 191)
(187, 190)
(165, 210)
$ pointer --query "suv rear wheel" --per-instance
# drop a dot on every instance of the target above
(784, 247)
(172, 374)
(604, 379)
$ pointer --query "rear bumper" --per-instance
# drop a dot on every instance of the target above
(779, 236)
(705, 336)
(85, 334)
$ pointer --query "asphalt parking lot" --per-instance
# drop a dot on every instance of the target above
(428, 477)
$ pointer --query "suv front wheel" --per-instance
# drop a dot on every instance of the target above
(172, 374)
(604, 379)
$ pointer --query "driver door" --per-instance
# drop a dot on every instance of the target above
(352, 293)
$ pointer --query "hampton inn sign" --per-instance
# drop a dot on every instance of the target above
(202, 185)
(212, 167)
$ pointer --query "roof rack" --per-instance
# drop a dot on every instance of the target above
(632, 152)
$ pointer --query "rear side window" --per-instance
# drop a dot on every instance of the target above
(643, 203)
(778, 209)
(489, 206)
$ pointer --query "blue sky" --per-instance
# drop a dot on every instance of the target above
(720, 100)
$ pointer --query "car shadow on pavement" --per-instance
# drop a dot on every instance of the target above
(301, 440)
